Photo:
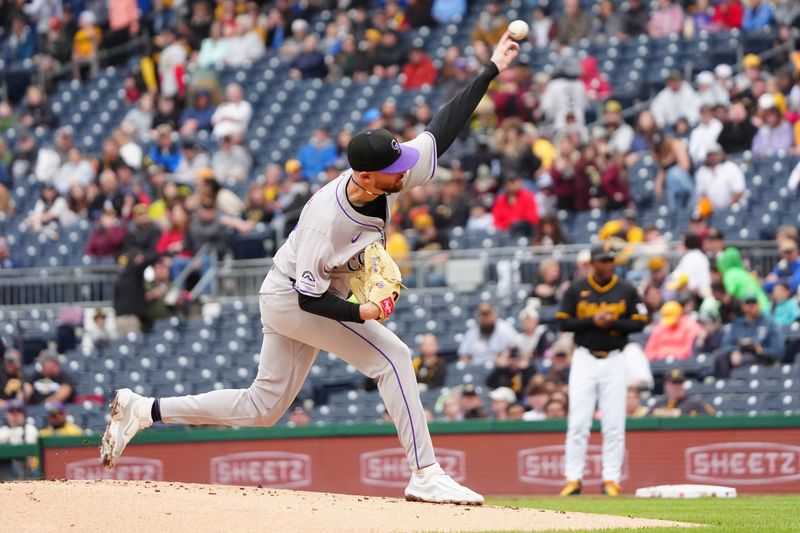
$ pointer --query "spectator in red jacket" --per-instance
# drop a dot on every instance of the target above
(419, 70)
(728, 15)
(515, 208)
(597, 86)
(107, 237)
(509, 97)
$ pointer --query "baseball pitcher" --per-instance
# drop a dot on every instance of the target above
(304, 308)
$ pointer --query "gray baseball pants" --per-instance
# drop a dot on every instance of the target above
(292, 340)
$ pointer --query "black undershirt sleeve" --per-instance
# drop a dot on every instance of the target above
(330, 306)
(447, 123)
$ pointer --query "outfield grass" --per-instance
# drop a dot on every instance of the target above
(745, 514)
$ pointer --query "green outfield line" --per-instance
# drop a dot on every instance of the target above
(745, 514)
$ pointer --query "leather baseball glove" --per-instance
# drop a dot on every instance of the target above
(379, 281)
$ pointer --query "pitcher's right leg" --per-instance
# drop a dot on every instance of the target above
(283, 367)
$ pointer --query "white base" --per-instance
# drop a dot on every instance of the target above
(686, 491)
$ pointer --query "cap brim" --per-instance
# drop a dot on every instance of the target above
(669, 321)
(408, 158)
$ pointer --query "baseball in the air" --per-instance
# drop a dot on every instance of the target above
(518, 30)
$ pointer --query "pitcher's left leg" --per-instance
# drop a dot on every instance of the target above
(612, 392)
(378, 353)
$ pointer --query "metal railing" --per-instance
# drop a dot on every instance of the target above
(40, 76)
(51, 286)
(466, 269)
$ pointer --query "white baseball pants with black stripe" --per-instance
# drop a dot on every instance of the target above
(595, 382)
(292, 340)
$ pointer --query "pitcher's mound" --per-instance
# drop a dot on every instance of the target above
(183, 507)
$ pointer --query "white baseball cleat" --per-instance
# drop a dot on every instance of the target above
(432, 484)
(129, 413)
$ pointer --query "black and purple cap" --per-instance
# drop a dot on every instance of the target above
(378, 151)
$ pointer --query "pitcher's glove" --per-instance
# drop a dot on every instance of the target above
(379, 281)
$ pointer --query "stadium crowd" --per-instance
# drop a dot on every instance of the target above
(155, 195)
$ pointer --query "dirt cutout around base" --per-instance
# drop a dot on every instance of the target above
(164, 507)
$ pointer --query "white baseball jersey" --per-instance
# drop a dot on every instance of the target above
(326, 248)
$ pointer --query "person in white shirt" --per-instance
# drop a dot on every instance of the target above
(696, 266)
(17, 430)
(565, 94)
(723, 77)
(721, 181)
(488, 338)
(534, 337)
(75, 170)
(620, 133)
(703, 135)
(48, 211)
(233, 116)
(171, 65)
(709, 91)
(546, 201)
(245, 46)
(676, 100)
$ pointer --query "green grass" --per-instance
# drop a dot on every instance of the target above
(745, 514)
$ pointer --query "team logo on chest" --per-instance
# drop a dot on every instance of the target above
(356, 263)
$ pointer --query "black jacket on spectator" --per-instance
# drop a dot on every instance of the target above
(511, 378)
(387, 57)
(42, 115)
(97, 205)
(418, 14)
(736, 138)
(139, 239)
(310, 65)
(201, 232)
(634, 22)
(433, 376)
(452, 214)
(44, 386)
(129, 289)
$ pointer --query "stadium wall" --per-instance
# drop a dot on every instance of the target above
(752, 454)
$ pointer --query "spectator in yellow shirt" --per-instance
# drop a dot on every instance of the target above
(85, 45)
(541, 147)
(398, 248)
(624, 228)
(622, 233)
(58, 424)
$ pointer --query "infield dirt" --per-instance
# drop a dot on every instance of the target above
(118, 506)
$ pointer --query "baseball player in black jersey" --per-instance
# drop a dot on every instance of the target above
(601, 311)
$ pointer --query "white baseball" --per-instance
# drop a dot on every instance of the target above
(518, 30)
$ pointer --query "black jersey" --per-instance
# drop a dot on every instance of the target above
(586, 298)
